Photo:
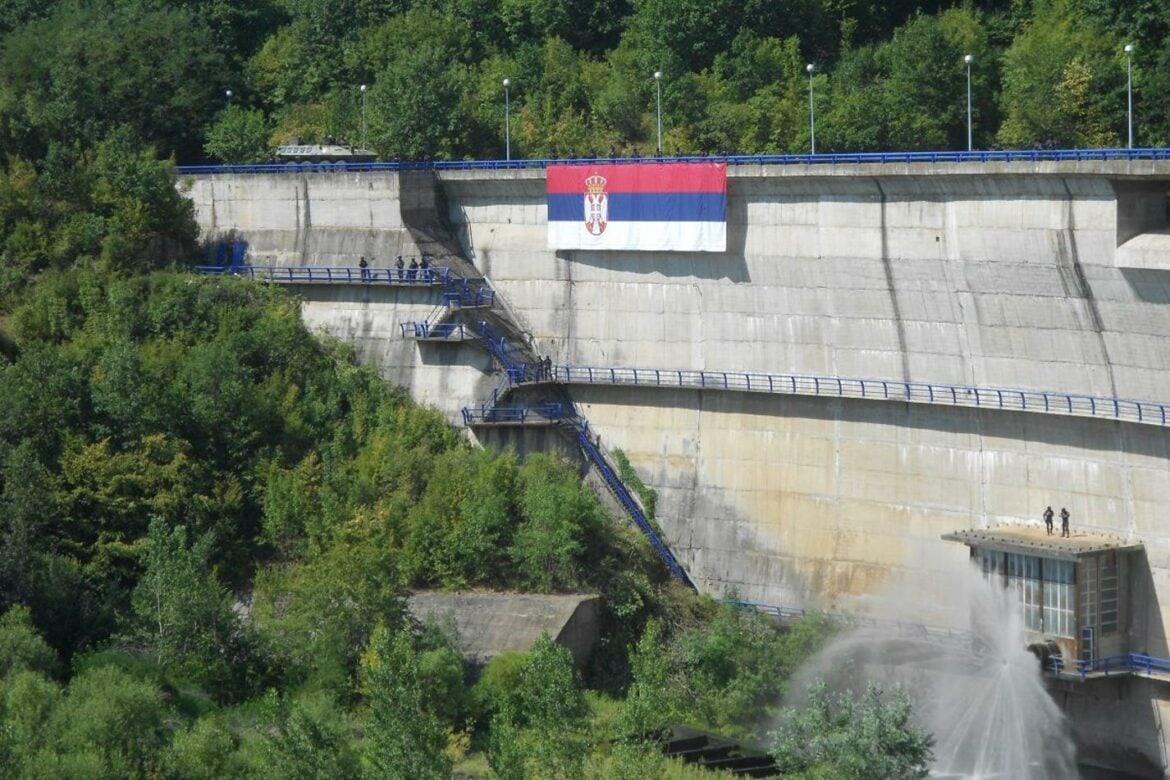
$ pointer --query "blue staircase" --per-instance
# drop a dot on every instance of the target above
(518, 369)
(627, 501)
(458, 294)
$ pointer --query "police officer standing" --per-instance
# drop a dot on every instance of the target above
(1048, 520)
(1064, 521)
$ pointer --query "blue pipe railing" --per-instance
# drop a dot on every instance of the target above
(1124, 663)
(847, 158)
(489, 413)
(453, 331)
(1000, 398)
(627, 501)
(414, 277)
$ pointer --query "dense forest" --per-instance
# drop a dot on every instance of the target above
(223, 80)
(209, 518)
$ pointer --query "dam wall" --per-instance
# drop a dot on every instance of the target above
(989, 280)
(1046, 277)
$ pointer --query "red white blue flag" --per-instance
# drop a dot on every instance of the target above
(653, 207)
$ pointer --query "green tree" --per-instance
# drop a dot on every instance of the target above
(109, 721)
(907, 93)
(90, 68)
(206, 750)
(405, 735)
(872, 738)
(1066, 54)
(559, 516)
(651, 703)
(540, 728)
(21, 647)
(464, 520)
(184, 615)
(415, 108)
(27, 702)
(311, 742)
(239, 135)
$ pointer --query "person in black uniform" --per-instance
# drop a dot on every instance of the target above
(425, 265)
(1048, 520)
(1064, 521)
(412, 274)
(365, 269)
(398, 265)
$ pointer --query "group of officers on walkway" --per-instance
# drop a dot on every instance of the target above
(419, 269)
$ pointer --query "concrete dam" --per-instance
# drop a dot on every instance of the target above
(1009, 321)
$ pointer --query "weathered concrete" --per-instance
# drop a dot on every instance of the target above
(489, 624)
(1049, 276)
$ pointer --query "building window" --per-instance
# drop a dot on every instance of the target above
(1024, 577)
(990, 562)
(1109, 594)
(1089, 592)
(1059, 594)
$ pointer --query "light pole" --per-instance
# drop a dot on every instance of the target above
(812, 112)
(228, 95)
(658, 89)
(1129, 89)
(968, 59)
(507, 121)
(363, 91)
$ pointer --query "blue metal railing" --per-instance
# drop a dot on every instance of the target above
(516, 368)
(1000, 398)
(849, 158)
(453, 331)
(416, 277)
(550, 411)
(1125, 663)
(627, 501)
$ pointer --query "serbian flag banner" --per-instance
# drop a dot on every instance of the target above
(643, 206)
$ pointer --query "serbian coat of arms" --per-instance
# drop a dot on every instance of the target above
(596, 205)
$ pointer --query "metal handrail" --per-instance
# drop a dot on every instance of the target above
(1123, 663)
(417, 277)
(846, 158)
(999, 398)
(489, 413)
(627, 501)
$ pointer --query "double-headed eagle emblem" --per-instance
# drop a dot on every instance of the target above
(596, 205)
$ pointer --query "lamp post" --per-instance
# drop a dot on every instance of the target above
(363, 91)
(228, 94)
(812, 113)
(658, 89)
(968, 59)
(507, 121)
(1129, 89)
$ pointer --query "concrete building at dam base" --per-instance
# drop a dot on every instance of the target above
(889, 373)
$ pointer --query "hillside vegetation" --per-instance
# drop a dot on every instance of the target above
(889, 75)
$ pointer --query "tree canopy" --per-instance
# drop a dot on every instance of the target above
(890, 75)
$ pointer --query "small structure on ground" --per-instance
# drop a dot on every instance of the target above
(489, 624)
